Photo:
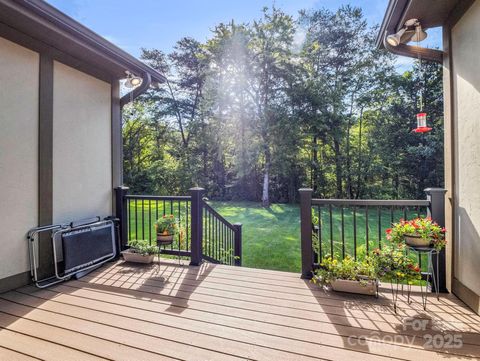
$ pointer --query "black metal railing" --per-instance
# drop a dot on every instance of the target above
(220, 238)
(203, 232)
(354, 227)
(144, 211)
(341, 227)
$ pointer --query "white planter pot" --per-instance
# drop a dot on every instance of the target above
(416, 241)
(368, 287)
(129, 256)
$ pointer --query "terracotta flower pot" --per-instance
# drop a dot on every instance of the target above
(130, 256)
(416, 241)
(368, 287)
(164, 238)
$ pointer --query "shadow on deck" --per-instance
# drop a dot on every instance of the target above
(215, 312)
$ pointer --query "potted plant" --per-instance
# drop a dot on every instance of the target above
(348, 275)
(394, 264)
(418, 232)
(166, 228)
(140, 251)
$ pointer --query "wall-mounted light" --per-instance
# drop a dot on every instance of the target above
(395, 39)
(132, 81)
(411, 31)
(419, 34)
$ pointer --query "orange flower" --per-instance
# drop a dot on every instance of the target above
(388, 231)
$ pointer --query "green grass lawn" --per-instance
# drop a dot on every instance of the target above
(271, 236)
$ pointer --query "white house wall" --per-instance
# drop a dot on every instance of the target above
(19, 82)
(82, 163)
(466, 76)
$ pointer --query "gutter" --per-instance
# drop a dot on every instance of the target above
(83, 35)
(411, 51)
(127, 98)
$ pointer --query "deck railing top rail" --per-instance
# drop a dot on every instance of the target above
(372, 202)
(217, 215)
(162, 198)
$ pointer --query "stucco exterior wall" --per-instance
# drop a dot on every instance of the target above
(19, 69)
(465, 42)
(82, 162)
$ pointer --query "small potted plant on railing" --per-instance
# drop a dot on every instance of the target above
(140, 251)
(348, 275)
(166, 229)
(418, 232)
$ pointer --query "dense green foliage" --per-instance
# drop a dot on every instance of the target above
(254, 114)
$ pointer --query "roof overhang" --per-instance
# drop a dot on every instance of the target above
(430, 13)
(48, 25)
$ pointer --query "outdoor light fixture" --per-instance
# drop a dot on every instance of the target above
(411, 31)
(132, 80)
(395, 39)
(419, 34)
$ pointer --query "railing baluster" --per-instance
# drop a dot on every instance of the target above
(355, 233)
(143, 219)
(320, 233)
(149, 221)
(331, 230)
(379, 213)
(343, 233)
(366, 229)
(136, 220)
(187, 228)
(180, 225)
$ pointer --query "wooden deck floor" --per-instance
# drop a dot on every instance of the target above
(125, 312)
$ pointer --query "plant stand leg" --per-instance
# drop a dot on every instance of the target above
(435, 275)
(409, 291)
(394, 295)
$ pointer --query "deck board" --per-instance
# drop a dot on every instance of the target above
(217, 312)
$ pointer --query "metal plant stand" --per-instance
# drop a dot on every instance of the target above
(431, 275)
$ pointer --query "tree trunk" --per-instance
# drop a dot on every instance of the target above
(266, 180)
(338, 168)
(349, 173)
(360, 157)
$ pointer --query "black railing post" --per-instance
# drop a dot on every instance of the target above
(306, 231)
(122, 214)
(197, 224)
(436, 210)
(238, 244)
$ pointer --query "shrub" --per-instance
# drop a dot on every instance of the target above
(142, 247)
(348, 269)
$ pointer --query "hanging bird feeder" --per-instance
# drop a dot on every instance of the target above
(422, 124)
(421, 117)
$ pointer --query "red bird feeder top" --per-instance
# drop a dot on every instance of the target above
(422, 124)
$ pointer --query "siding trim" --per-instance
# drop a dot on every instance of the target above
(117, 140)
(468, 296)
(15, 281)
(45, 161)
